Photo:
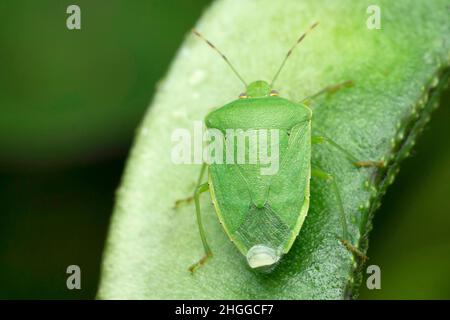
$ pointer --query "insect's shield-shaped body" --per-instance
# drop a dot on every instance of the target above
(262, 211)
(260, 205)
(261, 192)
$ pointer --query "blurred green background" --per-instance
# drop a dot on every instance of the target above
(69, 104)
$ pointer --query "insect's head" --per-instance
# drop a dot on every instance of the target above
(258, 89)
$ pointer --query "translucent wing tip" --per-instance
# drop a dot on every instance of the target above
(261, 256)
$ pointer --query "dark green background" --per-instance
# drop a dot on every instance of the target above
(69, 104)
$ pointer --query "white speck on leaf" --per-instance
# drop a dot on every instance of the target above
(197, 77)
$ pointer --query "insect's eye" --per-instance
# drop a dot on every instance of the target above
(243, 95)
(273, 93)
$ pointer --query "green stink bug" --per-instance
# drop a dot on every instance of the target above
(263, 214)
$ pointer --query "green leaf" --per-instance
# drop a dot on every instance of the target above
(415, 238)
(398, 73)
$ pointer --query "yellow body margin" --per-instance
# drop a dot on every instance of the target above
(301, 217)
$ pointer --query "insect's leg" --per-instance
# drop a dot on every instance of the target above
(189, 199)
(208, 253)
(353, 159)
(344, 238)
(329, 89)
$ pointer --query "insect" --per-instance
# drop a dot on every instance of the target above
(263, 214)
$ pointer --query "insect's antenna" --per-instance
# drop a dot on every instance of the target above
(198, 34)
(290, 51)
